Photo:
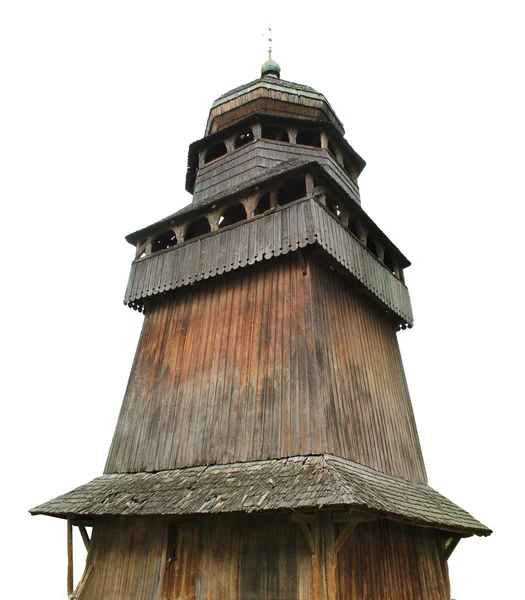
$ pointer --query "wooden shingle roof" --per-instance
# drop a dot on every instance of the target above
(296, 483)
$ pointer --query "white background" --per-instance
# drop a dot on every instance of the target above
(99, 102)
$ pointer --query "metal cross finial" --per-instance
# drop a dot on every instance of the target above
(270, 42)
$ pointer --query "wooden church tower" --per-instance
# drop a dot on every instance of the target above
(266, 447)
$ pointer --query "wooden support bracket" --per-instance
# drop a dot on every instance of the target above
(85, 537)
(82, 583)
(343, 536)
(309, 538)
(305, 519)
(450, 546)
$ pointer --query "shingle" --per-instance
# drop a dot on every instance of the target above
(296, 483)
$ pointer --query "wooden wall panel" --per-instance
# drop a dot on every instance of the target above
(254, 558)
(368, 412)
(392, 561)
(225, 371)
(128, 559)
(263, 557)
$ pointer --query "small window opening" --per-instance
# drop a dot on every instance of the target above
(199, 227)
(370, 244)
(232, 215)
(263, 205)
(244, 138)
(309, 138)
(291, 190)
(166, 239)
(279, 134)
(215, 152)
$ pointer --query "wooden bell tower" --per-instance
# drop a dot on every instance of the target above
(266, 448)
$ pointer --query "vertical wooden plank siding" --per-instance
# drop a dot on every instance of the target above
(391, 560)
(367, 408)
(254, 158)
(128, 557)
(224, 372)
(262, 557)
(285, 359)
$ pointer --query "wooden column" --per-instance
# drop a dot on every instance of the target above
(309, 184)
(257, 131)
(69, 556)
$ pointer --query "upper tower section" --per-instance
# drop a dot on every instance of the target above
(258, 125)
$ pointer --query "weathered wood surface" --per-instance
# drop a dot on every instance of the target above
(261, 154)
(237, 369)
(272, 96)
(298, 483)
(128, 557)
(225, 371)
(368, 412)
(296, 225)
(263, 558)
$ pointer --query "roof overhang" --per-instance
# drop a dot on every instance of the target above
(297, 483)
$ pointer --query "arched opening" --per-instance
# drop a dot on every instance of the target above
(232, 215)
(263, 205)
(199, 227)
(353, 226)
(333, 207)
(309, 138)
(215, 152)
(290, 190)
(279, 134)
(371, 245)
(243, 138)
(166, 239)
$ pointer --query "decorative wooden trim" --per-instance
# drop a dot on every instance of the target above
(296, 225)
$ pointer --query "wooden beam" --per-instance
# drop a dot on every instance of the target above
(84, 522)
(85, 537)
(298, 517)
(343, 536)
(83, 582)
(69, 556)
(353, 515)
(308, 535)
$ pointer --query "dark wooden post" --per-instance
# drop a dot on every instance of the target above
(69, 556)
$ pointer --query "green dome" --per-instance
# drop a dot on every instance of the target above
(270, 67)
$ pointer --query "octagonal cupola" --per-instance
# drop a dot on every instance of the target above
(263, 123)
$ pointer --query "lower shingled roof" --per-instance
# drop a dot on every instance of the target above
(300, 482)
